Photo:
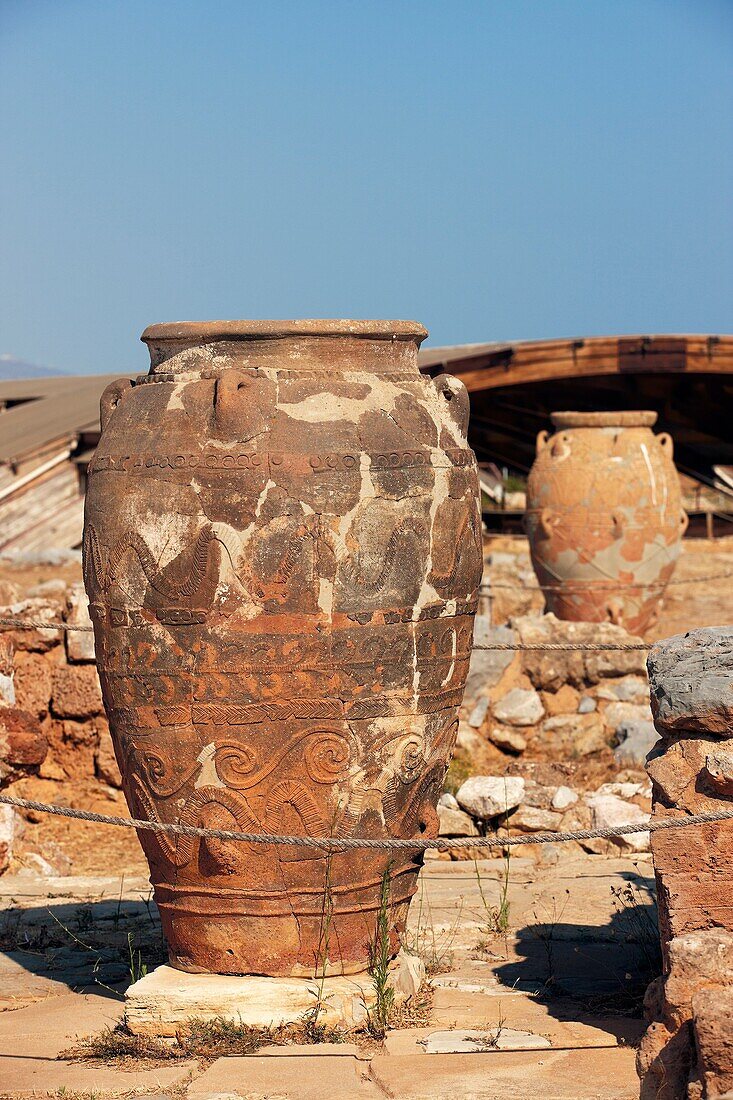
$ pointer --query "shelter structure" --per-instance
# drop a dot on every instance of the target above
(686, 379)
(49, 427)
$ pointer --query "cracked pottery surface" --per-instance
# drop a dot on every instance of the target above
(604, 517)
(282, 553)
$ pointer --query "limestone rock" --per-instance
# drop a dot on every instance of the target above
(548, 855)
(487, 796)
(8, 819)
(564, 701)
(9, 594)
(164, 999)
(54, 586)
(609, 810)
(539, 795)
(508, 739)
(630, 689)
(575, 735)
(22, 744)
(587, 704)
(626, 790)
(487, 666)
(455, 823)
(563, 798)
(33, 683)
(76, 692)
(718, 770)
(79, 643)
(468, 738)
(106, 761)
(673, 768)
(636, 739)
(616, 714)
(7, 671)
(478, 713)
(691, 681)
(697, 960)
(712, 1013)
(549, 670)
(39, 641)
(448, 800)
(501, 559)
(519, 707)
(515, 502)
(529, 819)
(482, 1042)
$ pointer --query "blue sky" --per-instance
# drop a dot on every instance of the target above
(496, 170)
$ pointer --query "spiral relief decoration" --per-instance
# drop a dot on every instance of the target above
(160, 774)
(236, 764)
(410, 759)
(327, 756)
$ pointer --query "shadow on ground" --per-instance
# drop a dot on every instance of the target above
(580, 970)
(100, 945)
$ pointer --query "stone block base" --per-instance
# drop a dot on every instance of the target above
(162, 1001)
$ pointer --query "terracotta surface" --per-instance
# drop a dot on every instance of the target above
(604, 517)
(282, 552)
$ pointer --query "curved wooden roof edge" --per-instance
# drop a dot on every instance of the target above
(488, 366)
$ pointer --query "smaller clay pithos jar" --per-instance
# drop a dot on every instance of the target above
(604, 517)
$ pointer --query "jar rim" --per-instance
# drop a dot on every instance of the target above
(644, 418)
(204, 332)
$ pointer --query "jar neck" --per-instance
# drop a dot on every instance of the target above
(326, 354)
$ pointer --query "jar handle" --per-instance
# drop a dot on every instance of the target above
(547, 522)
(541, 441)
(229, 399)
(455, 394)
(665, 441)
(111, 398)
(615, 612)
(684, 522)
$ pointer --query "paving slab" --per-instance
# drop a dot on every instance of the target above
(470, 1041)
(298, 1078)
(563, 924)
(555, 1075)
(563, 1025)
(37, 1077)
(314, 1050)
(20, 984)
(44, 1029)
(31, 1039)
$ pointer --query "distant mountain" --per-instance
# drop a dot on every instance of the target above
(12, 369)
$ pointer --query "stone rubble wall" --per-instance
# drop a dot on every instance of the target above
(531, 719)
(23, 746)
(687, 1052)
(57, 687)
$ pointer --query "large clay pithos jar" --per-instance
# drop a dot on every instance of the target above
(604, 517)
(282, 553)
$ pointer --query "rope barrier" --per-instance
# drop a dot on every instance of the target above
(598, 586)
(343, 844)
(500, 647)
